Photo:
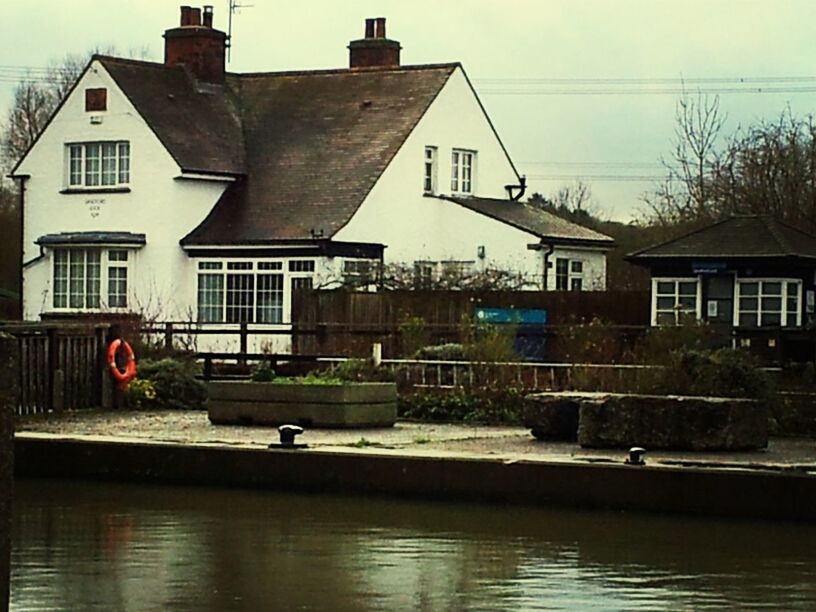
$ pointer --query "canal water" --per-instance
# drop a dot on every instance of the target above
(86, 546)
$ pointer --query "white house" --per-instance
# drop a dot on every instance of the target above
(184, 192)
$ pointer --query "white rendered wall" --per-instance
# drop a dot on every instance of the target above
(161, 278)
(416, 227)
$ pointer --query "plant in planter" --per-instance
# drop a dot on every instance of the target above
(314, 400)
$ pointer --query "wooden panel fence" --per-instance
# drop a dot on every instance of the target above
(346, 323)
(61, 365)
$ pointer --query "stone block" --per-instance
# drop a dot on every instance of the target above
(672, 422)
(551, 416)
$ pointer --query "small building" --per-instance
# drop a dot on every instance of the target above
(184, 192)
(750, 272)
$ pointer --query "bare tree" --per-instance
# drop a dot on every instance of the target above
(685, 193)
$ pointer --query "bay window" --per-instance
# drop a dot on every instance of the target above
(240, 292)
(79, 274)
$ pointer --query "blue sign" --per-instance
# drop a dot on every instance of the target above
(519, 316)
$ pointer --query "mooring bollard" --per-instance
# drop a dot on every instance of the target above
(8, 400)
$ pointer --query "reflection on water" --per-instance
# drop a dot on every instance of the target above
(83, 546)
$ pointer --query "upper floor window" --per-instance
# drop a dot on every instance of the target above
(462, 171)
(429, 185)
(81, 273)
(99, 164)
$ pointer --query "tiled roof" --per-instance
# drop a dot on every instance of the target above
(92, 237)
(200, 127)
(744, 236)
(532, 219)
(308, 146)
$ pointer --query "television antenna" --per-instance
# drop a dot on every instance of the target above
(233, 8)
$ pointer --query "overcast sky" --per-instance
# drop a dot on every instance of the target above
(551, 73)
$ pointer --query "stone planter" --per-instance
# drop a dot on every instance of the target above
(669, 422)
(258, 403)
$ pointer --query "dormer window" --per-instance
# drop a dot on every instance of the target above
(430, 170)
(98, 164)
(462, 170)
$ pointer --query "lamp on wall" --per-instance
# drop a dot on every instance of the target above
(480, 251)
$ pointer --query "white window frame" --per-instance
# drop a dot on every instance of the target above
(676, 309)
(783, 297)
(463, 171)
(109, 258)
(87, 164)
(288, 271)
(431, 170)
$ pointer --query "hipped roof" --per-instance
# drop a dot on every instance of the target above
(738, 237)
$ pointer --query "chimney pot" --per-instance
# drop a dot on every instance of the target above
(379, 27)
(375, 50)
(200, 49)
(185, 16)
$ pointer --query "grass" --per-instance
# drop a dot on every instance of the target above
(364, 443)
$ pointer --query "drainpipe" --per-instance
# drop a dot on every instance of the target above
(522, 187)
(547, 253)
(22, 178)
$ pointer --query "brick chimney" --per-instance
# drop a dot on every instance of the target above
(197, 45)
(375, 50)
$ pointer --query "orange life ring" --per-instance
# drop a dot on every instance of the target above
(123, 378)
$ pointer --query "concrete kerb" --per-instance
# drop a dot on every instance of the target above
(760, 492)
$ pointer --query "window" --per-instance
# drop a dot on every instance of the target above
(99, 164)
(561, 274)
(769, 302)
(96, 99)
(430, 170)
(674, 300)
(360, 272)
(240, 292)
(302, 265)
(79, 275)
(424, 274)
(462, 167)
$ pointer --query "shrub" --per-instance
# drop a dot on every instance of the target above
(412, 334)
(722, 372)
(360, 370)
(488, 406)
(262, 372)
(175, 383)
(141, 393)
(442, 352)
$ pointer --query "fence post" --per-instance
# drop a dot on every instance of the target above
(168, 335)
(9, 365)
(243, 340)
(52, 384)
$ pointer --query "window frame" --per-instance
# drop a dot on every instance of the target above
(97, 279)
(676, 310)
(267, 297)
(430, 170)
(463, 171)
(98, 165)
(784, 297)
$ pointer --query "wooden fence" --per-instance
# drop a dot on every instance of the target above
(347, 323)
(61, 365)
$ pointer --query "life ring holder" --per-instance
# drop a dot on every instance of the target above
(122, 378)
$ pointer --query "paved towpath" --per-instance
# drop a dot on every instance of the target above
(433, 439)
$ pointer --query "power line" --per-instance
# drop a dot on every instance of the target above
(630, 178)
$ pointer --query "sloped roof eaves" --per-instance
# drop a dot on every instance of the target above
(540, 223)
(92, 237)
(200, 129)
(739, 237)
